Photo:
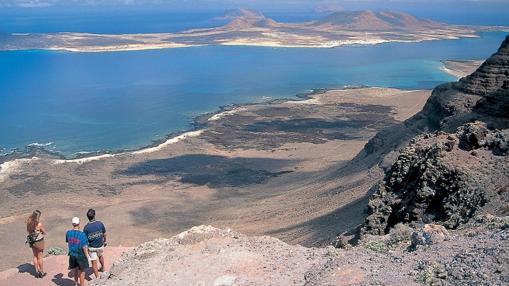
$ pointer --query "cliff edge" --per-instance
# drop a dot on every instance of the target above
(460, 166)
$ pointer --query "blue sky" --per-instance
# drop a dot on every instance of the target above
(493, 12)
(261, 4)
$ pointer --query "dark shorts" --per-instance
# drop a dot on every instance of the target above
(80, 262)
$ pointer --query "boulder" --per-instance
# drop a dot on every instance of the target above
(430, 234)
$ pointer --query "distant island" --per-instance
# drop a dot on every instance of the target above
(251, 28)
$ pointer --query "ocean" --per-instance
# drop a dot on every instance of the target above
(87, 102)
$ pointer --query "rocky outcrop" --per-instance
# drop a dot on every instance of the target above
(442, 178)
(460, 166)
(206, 255)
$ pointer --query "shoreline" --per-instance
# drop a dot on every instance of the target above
(234, 43)
(460, 68)
(35, 151)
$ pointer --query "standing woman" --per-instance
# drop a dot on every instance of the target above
(35, 239)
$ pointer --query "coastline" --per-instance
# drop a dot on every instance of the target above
(34, 151)
(279, 35)
(236, 42)
(460, 68)
(457, 68)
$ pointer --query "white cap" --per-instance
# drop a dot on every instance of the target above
(75, 220)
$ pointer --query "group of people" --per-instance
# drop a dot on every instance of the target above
(83, 246)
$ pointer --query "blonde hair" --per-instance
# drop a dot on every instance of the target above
(33, 221)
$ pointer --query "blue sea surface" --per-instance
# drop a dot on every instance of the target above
(84, 102)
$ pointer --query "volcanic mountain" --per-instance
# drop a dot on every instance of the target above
(241, 13)
(246, 19)
(370, 20)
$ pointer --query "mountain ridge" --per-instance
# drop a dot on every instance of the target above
(371, 20)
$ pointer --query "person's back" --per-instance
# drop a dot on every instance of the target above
(76, 240)
(35, 240)
(95, 231)
(96, 235)
(77, 244)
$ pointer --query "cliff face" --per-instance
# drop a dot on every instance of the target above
(483, 96)
(492, 76)
(462, 167)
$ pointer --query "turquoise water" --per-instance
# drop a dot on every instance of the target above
(124, 100)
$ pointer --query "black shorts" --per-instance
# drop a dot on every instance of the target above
(80, 262)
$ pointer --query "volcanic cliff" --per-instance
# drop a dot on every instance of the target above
(461, 165)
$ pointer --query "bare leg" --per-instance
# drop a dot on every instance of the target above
(76, 276)
(82, 278)
(101, 259)
(40, 260)
(36, 263)
(94, 267)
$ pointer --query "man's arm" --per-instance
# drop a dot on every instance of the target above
(104, 235)
(85, 250)
(85, 246)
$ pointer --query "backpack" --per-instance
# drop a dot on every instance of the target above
(32, 239)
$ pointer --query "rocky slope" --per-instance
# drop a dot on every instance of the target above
(444, 178)
(204, 255)
(459, 169)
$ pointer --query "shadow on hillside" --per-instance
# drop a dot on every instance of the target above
(213, 171)
(59, 279)
(26, 268)
(322, 230)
